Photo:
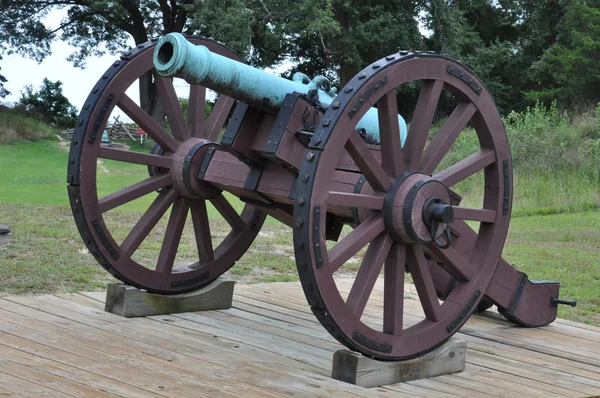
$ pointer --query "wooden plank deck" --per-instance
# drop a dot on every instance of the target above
(268, 345)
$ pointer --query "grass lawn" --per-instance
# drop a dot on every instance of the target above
(47, 254)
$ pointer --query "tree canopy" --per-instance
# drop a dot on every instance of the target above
(93, 27)
(524, 50)
(48, 104)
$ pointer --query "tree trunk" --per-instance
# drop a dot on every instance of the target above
(150, 100)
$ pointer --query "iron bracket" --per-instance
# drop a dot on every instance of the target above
(465, 78)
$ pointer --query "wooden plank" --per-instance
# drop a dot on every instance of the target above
(190, 372)
(355, 368)
(273, 328)
(54, 362)
(251, 368)
(564, 368)
(25, 388)
(499, 382)
(268, 344)
(49, 374)
(130, 302)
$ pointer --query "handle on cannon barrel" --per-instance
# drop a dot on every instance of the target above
(175, 56)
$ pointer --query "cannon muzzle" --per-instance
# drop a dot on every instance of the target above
(175, 56)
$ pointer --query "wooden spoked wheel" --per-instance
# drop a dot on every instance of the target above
(404, 206)
(170, 181)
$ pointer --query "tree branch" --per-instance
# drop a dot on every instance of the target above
(138, 29)
(266, 9)
(166, 13)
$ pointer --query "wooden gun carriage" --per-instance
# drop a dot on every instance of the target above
(317, 162)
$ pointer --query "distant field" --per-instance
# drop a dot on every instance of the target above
(47, 254)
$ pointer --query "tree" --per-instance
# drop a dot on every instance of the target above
(93, 27)
(49, 104)
(336, 38)
(3, 91)
(569, 71)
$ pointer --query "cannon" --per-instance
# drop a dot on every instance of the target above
(342, 171)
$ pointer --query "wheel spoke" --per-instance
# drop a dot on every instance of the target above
(196, 109)
(419, 269)
(481, 215)
(133, 192)
(466, 167)
(389, 131)
(453, 263)
(172, 238)
(441, 143)
(355, 200)
(172, 106)
(354, 241)
(148, 221)
(135, 157)
(393, 290)
(150, 126)
(421, 122)
(367, 164)
(367, 273)
(228, 212)
(202, 231)
(217, 117)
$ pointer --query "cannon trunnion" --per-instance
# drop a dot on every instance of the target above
(344, 172)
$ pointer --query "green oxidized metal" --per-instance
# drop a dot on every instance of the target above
(176, 56)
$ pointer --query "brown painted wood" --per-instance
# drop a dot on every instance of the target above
(173, 167)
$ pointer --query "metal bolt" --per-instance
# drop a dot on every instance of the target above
(300, 200)
(305, 178)
(299, 223)
(310, 156)
(403, 52)
(451, 355)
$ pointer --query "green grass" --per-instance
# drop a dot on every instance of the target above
(555, 158)
(34, 173)
(16, 127)
(47, 254)
(564, 248)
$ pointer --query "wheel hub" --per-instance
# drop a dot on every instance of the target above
(417, 209)
(185, 166)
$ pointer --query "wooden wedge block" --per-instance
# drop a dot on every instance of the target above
(354, 368)
(131, 302)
